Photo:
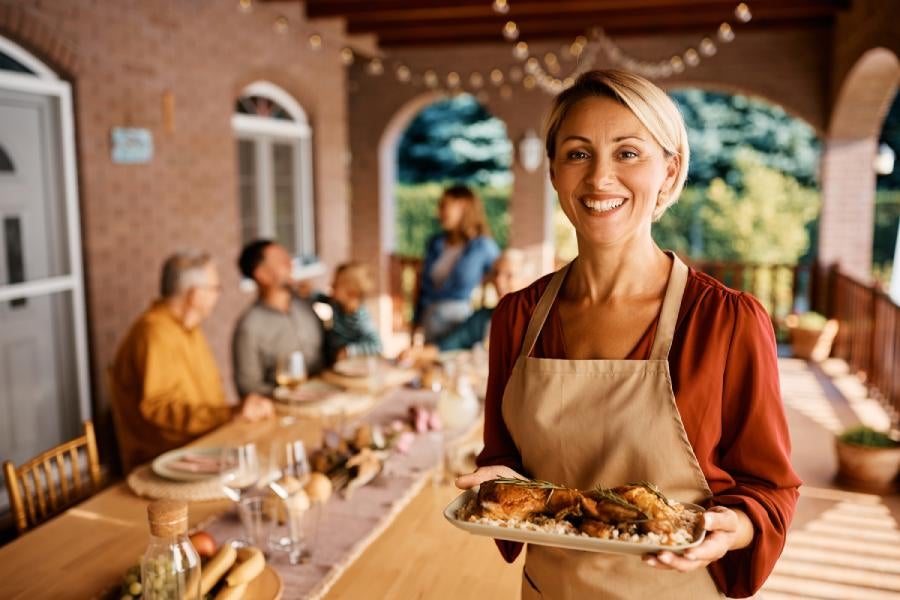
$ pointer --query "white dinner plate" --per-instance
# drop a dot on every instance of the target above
(560, 540)
(161, 465)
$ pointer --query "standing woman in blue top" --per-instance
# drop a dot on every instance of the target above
(456, 261)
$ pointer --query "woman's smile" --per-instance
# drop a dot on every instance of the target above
(602, 205)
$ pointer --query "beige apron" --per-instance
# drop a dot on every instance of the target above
(587, 422)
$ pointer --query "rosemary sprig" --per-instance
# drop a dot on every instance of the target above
(529, 483)
(611, 496)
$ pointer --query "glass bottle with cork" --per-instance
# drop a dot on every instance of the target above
(170, 568)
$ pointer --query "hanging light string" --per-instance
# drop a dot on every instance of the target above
(544, 73)
(586, 52)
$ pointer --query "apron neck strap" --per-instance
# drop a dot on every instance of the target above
(668, 314)
(539, 316)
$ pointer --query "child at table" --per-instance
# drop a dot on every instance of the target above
(352, 332)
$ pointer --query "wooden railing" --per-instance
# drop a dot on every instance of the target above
(869, 334)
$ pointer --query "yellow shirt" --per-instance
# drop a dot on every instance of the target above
(166, 387)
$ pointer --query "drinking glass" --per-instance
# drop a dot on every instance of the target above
(290, 370)
(239, 470)
(289, 473)
(258, 519)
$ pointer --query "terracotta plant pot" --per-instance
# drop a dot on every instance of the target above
(811, 344)
(867, 467)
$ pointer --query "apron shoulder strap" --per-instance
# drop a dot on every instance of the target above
(539, 316)
(668, 314)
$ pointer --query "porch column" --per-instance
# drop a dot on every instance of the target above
(848, 205)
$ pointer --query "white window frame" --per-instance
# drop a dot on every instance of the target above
(46, 83)
(265, 132)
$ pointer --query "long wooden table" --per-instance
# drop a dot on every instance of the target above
(85, 550)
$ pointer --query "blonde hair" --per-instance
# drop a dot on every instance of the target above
(652, 107)
(357, 277)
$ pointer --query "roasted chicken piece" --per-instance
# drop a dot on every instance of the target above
(648, 499)
(499, 500)
(597, 529)
(600, 506)
(563, 502)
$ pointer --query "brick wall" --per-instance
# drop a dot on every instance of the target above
(121, 56)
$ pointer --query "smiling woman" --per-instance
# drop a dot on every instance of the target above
(627, 366)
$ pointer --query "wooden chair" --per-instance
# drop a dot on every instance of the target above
(33, 494)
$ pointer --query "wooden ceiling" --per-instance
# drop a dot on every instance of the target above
(442, 22)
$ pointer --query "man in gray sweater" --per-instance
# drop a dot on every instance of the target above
(278, 323)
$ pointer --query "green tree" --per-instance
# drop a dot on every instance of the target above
(455, 140)
(765, 221)
(719, 125)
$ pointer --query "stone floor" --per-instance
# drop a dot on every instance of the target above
(842, 544)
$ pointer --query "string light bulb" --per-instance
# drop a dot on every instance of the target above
(496, 76)
(520, 50)
(476, 80)
(315, 41)
(375, 67)
(677, 64)
(529, 82)
(245, 5)
(347, 56)
(707, 47)
(403, 74)
(742, 13)
(430, 78)
(453, 79)
(501, 7)
(691, 57)
(511, 30)
(726, 33)
(281, 24)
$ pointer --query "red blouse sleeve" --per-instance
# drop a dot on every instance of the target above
(754, 451)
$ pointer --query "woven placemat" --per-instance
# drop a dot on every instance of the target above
(144, 482)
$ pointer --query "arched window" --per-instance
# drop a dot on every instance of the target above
(274, 159)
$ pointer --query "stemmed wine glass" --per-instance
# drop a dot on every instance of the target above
(239, 470)
(238, 474)
(289, 474)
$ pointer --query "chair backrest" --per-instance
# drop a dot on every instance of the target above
(52, 481)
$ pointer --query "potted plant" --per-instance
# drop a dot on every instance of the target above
(811, 335)
(867, 458)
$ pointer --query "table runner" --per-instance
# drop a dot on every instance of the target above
(348, 526)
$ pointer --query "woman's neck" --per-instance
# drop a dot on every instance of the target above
(631, 269)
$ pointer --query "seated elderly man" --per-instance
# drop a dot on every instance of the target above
(278, 323)
(166, 386)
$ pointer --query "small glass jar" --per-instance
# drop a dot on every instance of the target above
(170, 568)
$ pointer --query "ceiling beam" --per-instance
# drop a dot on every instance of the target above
(441, 36)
